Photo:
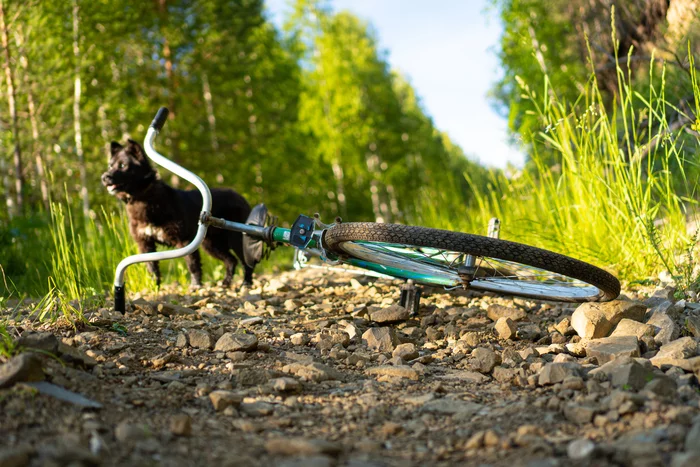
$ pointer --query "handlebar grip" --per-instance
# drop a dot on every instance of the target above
(119, 299)
(160, 118)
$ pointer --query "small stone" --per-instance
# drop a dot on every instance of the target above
(495, 311)
(292, 304)
(476, 440)
(610, 348)
(299, 339)
(593, 320)
(666, 328)
(256, 409)
(382, 339)
(692, 324)
(484, 360)
(506, 328)
(199, 339)
(251, 321)
(399, 371)
(392, 314)
(679, 349)
(580, 414)
(181, 341)
(685, 459)
(663, 386)
(43, 341)
(285, 384)
(301, 447)
(692, 439)
(313, 372)
(406, 352)
(563, 326)
(221, 399)
(625, 372)
(629, 327)
(580, 449)
(129, 432)
(181, 424)
(553, 373)
(235, 342)
(170, 309)
(22, 368)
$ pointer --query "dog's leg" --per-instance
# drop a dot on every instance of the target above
(247, 271)
(194, 264)
(148, 245)
(229, 260)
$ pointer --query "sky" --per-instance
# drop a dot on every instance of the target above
(447, 50)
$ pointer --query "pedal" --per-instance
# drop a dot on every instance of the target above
(410, 297)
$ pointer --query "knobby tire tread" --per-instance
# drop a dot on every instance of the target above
(476, 245)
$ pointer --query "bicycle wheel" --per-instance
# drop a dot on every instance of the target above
(436, 257)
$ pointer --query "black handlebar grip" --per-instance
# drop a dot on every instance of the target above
(119, 297)
(160, 118)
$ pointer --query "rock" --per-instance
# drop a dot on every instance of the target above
(579, 414)
(610, 348)
(553, 373)
(563, 326)
(667, 307)
(685, 459)
(382, 339)
(663, 386)
(626, 373)
(75, 356)
(406, 351)
(170, 309)
(236, 342)
(299, 339)
(506, 328)
(285, 384)
(181, 424)
(251, 321)
(666, 328)
(593, 320)
(392, 314)
(679, 349)
(399, 371)
(301, 447)
(181, 341)
(42, 341)
(22, 368)
(504, 375)
(628, 327)
(200, 339)
(484, 360)
(692, 324)
(447, 406)
(313, 372)
(256, 409)
(692, 439)
(580, 449)
(494, 312)
(292, 304)
(130, 432)
(222, 398)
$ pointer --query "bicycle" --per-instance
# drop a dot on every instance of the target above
(416, 254)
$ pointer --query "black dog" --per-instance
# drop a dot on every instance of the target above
(160, 214)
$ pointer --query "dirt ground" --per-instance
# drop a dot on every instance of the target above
(312, 368)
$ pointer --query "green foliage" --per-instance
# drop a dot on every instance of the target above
(610, 201)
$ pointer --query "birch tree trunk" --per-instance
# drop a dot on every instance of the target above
(76, 111)
(36, 142)
(18, 208)
(210, 112)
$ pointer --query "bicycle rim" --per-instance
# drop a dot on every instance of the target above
(436, 266)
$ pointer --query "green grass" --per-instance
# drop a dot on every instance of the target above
(619, 196)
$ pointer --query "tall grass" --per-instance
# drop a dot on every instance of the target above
(619, 196)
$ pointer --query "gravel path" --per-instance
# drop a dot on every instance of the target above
(323, 369)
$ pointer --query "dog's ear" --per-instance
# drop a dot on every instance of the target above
(136, 151)
(115, 147)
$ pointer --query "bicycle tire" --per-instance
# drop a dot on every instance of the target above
(340, 238)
